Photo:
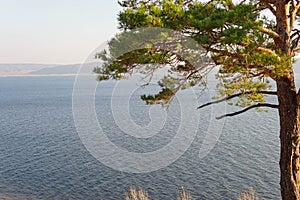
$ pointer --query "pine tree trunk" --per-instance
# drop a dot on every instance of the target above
(289, 138)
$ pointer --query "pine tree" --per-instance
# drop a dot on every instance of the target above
(252, 43)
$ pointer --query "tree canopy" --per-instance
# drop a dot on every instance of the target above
(240, 37)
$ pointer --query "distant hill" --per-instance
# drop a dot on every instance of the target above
(66, 69)
(41, 69)
(7, 69)
(61, 69)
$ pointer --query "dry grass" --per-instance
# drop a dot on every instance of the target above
(137, 195)
(143, 195)
(183, 195)
(249, 194)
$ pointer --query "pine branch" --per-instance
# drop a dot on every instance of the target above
(224, 53)
(268, 51)
(266, 71)
(248, 108)
(270, 32)
(237, 95)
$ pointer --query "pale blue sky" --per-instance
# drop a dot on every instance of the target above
(54, 31)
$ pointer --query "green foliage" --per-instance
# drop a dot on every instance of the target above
(234, 34)
(163, 97)
(147, 50)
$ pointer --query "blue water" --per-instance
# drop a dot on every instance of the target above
(41, 155)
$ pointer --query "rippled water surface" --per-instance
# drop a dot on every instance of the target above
(42, 156)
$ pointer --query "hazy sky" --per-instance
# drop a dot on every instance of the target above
(54, 31)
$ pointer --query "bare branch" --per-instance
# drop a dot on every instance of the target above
(295, 8)
(187, 2)
(297, 50)
(270, 7)
(295, 43)
(268, 1)
(256, 74)
(248, 108)
(237, 95)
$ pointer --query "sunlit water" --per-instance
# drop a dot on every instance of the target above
(41, 155)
